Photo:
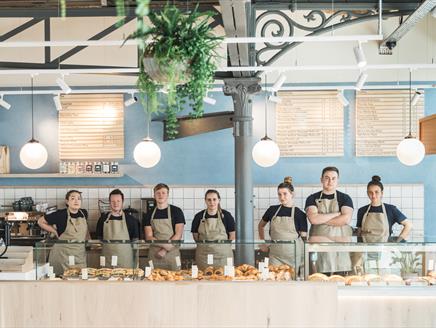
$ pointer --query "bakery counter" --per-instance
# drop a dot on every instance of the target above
(167, 304)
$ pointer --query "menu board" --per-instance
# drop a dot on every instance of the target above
(382, 121)
(310, 124)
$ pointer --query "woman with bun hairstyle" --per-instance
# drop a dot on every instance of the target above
(375, 221)
(287, 223)
(213, 224)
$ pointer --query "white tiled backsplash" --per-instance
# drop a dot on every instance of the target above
(409, 198)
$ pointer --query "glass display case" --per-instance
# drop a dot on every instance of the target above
(169, 260)
(371, 264)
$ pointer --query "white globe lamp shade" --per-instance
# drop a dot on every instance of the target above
(266, 152)
(147, 153)
(410, 151)
(33, 155)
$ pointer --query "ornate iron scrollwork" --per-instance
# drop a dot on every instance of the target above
(278, 24)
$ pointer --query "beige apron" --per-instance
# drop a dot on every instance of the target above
(116, 230)
(282, 228)
(76, 230)
(163, 230)
(331, 261)
(212, 229)
(375, 226)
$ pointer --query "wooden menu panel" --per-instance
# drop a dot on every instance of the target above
(427, 133)
(91, 126)
(382, 121)
(310, 123)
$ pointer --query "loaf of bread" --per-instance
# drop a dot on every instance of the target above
(336, 278)
(318, 277)
(350, 279)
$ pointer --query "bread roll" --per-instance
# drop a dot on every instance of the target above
(336, 278)
(370, 277)
(351, 279)
(318, 277)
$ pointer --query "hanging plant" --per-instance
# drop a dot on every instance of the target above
(178, 52)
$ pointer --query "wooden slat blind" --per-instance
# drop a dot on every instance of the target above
(382, 121)
(91, 126)
(310, 123)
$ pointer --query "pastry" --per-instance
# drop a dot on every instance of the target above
(430, 280)
(318, 277)
(417, 281)
(104, 273)
(336, 278)
(119, 272)
(218, 272)
(432, 274)
(92, 272)
(370, 277)
(392, 278)
(72, 272)
(350, 279)
(208, 271)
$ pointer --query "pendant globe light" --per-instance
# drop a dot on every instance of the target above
(33, 154)
(147, 153)
(410, 151)
(266, 152)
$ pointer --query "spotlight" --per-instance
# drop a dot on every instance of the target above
(360, 56)
(275, 99)
(416, 97)
(57, 102)
(4, 103)
(131, 100)
(344, 101)
(279, 82)
(361, 80)
(209, 100)
(63, 85)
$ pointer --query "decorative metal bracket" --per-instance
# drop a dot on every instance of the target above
(277, 23)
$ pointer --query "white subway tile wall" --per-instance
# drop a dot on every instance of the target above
(409, 198)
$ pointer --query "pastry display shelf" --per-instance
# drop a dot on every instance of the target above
(59, 175)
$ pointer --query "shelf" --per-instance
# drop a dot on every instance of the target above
(58, 175)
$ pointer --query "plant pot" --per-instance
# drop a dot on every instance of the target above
(160, 73)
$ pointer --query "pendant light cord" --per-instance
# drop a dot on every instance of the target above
(266, 106)
(410, 103)
(148, 117)
(32, 106)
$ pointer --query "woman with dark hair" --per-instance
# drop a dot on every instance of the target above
(213, 224)
(287, 223)
(375, 221)
(69, 224)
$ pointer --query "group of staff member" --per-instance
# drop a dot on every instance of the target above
(329, 212)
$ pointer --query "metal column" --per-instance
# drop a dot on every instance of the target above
(241, 90)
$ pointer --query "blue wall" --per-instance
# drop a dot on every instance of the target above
(209, 158)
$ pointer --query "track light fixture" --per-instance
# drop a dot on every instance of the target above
(361, 80)
(416, 97)
(275, 99)
(4, 103)
(131, 100)
(279, 82)
(57, 102)
(360, 56)
(344, 101)
(63, 85)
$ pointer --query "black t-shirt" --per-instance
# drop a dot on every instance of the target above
(300, 220)
(131, 222)
(177, 216)
(227, 218)
(392, 212)
(343, 199)
(60, 218)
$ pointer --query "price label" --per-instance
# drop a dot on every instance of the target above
(51, 276)
(210, 259)
(114, 260)
(230, 261)
(229, 271)
(178, 262)
(266, 260)
(147, 271)
(50, 270)
(102, 261)
(194, 272)
(261, 266)
(264, 273)
(71, 260)
(85, 274)
(150, 263)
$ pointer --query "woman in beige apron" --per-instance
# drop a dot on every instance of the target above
(116, 233)
(164, 255)
(374, 226)
(76, 231)
(283, 228)
(211, 230)
(326, 211)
